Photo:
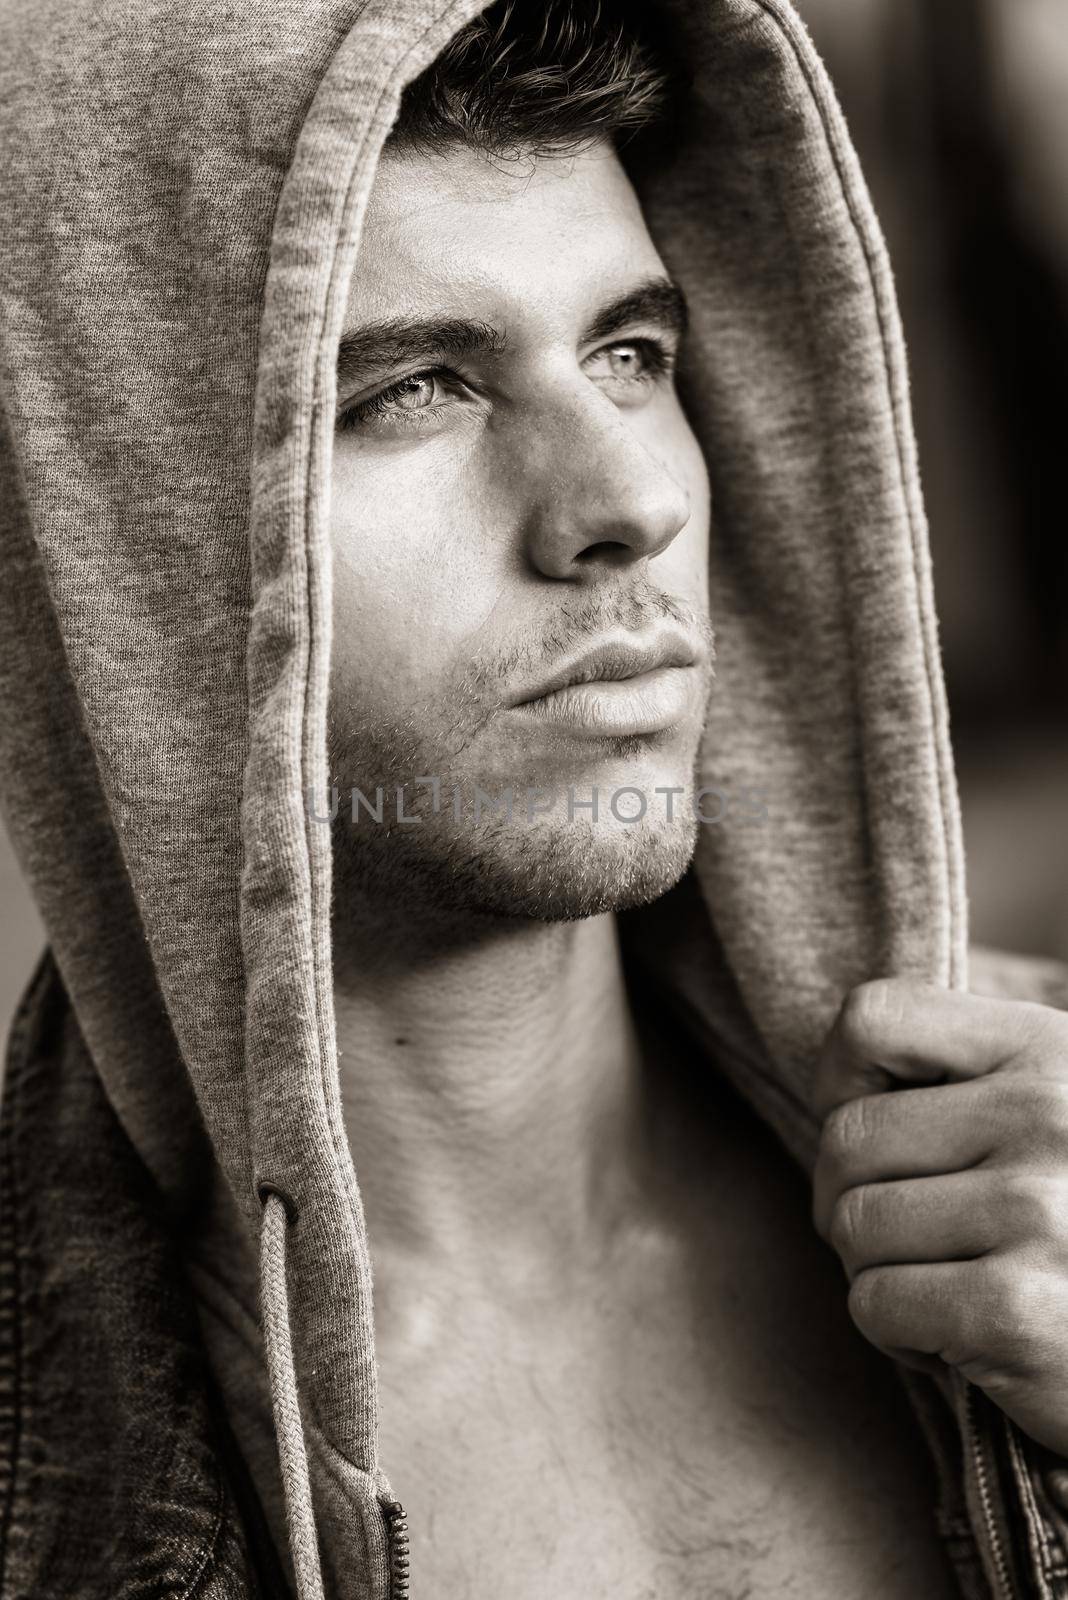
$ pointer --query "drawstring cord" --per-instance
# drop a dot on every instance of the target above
(279, 1211)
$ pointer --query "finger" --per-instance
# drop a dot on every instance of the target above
(897, 1029)
(934, 1308)
(994, 1311)
(921, 1219)
(917, 1133)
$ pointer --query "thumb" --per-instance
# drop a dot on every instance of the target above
(896, 1031)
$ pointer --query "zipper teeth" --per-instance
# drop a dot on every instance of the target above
(983, 1482)
(399, 1578)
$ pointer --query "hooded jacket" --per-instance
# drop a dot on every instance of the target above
(182, 190)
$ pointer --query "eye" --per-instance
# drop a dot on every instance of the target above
(401, 402)
(627, 368)
(630, 361)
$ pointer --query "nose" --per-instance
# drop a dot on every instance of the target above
(601, 498)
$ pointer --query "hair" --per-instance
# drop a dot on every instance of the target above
(542, 79)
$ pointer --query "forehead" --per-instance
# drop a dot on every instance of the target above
(460, 232)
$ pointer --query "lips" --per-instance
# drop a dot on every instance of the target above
(615, 660)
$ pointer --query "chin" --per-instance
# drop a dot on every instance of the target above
(585, 869)
(550, 871)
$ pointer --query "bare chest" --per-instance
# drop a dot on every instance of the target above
(706, 1422)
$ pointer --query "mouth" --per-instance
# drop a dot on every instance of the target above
(622, 686)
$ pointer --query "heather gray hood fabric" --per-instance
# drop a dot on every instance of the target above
(182, 191)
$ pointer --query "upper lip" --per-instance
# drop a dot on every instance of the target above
(621, 657)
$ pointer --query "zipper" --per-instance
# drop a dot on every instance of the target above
(986, 1498)
(397, 1526)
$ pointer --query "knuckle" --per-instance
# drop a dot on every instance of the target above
(1044, 1031)
(1051, 1112)
(1034, 1105)
(1011, 1307)
(1048, 1099)
(1030, 1206)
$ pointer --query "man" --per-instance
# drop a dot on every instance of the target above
(515, 489)
(609, 1354)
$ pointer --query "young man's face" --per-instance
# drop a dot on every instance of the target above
(514, 485)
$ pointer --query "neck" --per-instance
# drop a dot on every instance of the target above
(493, 1092)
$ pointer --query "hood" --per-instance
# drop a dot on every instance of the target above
(182, 193)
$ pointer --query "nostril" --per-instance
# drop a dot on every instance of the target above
(606, 550)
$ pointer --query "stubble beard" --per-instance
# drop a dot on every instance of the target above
(560, 866)
(464, 860)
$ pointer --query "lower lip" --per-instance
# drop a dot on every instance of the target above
(647, 703)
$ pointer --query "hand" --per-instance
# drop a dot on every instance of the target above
(948, 1203)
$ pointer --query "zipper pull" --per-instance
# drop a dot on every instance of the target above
(397, 1523)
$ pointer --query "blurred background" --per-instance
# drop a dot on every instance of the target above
(959, 109)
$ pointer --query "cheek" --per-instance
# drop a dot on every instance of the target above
(407, 591)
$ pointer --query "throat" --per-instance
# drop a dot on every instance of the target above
(496, 1100)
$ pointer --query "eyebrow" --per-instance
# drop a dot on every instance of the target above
(387, 343)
